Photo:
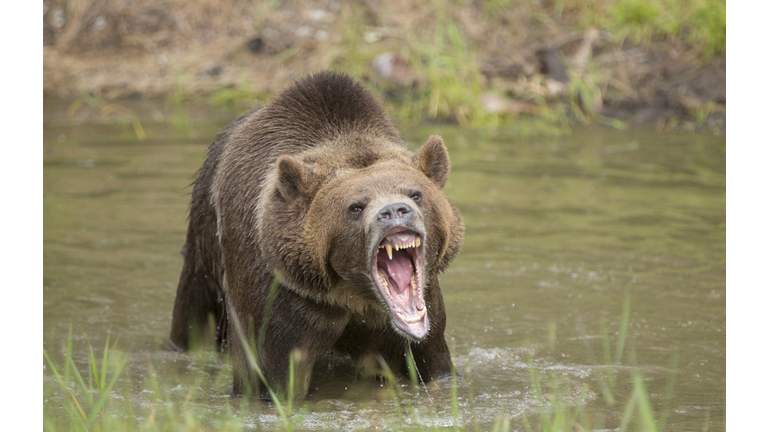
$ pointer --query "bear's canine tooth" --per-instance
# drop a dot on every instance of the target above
(389, 251)
(418, 242)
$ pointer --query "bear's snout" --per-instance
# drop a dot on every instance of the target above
(395, 213)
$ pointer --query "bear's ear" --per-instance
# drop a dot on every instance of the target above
(432, 159)
(294, 178)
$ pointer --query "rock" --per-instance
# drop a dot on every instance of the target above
(495, 103)
(256, 45)
(551, 64)
(555, 87)
(212, 71)
(391, 66)
(273, 39)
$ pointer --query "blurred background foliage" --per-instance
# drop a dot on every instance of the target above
(619, 63)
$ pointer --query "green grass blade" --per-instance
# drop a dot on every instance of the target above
(69, 354)
(79, 408)
(497, 424)
(601, 376)
(607, 358)
(624, 327)
(268, 309)
(291, 379)
(670, 388)
(55, 372)
(629, 409)
(526, 424)
(161, 399)
(93, 371)
(412, 371)
(96, 408)
(76, 413)
(79, 378)
(454, 397)
(579, 406)
(705, 427)
(250, 355)
(104, 363)
(644, 404)
(390, 378)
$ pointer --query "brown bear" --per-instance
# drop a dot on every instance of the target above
(318, 187)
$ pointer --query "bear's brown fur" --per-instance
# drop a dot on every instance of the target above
(318, 187)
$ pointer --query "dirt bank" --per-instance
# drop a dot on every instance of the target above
(473, 63)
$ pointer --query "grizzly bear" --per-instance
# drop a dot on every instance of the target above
(312, 228)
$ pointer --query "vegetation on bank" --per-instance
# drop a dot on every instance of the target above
(98, 397)
(610, 62)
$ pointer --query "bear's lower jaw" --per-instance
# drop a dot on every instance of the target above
(416, 327)
(399, 277)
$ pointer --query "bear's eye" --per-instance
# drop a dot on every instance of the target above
(356, 209)
(416, 197)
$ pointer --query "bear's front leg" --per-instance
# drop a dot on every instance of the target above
(292, 330)
(432, 358)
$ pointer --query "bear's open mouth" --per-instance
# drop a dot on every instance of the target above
(399, 274)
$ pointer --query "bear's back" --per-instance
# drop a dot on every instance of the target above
(319, 108)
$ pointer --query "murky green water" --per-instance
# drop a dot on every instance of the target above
(557, 232)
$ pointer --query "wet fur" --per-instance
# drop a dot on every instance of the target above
(271, 197)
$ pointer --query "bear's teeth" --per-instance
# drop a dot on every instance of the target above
(420, 314)
(413, 244)
(383, 279)
(413, 284)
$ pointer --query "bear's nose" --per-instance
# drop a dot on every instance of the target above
(395, 211)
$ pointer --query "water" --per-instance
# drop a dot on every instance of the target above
(558, 231)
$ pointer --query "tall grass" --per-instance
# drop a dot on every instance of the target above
(700, 23)
(453, 81)
(86, 412)
(88, 398)
(447, 82)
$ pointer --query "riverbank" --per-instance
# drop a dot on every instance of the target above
(620, 64)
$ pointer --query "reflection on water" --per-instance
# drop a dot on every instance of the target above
(557, 232)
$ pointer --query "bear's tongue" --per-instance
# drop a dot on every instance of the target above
(399, 269)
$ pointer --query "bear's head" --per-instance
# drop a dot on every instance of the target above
(365, 226)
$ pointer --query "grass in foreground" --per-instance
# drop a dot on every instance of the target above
(89, 397)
